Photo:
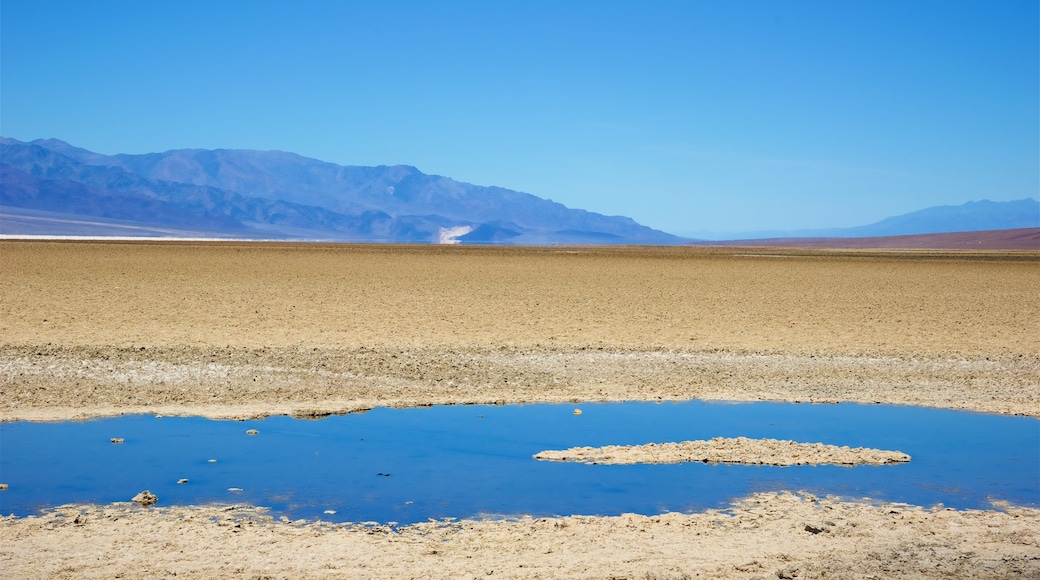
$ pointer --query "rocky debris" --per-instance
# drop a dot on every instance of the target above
(739, 450)
(813, 529)
(145, 498)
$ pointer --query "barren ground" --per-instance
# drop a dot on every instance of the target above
(243, 330)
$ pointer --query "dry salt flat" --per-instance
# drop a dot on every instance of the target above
(238, 330)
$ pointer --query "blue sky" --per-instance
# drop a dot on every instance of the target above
(689, 116)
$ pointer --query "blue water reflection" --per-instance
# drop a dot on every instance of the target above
(467, 461)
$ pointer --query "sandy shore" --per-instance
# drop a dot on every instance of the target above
(764, 536)
(248, 330)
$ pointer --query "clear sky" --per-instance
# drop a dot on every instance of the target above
(687, 116)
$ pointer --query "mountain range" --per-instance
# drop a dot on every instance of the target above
(49, 187)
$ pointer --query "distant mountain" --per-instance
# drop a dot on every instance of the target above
(974, 216)
(1011, 239)
(273, 194)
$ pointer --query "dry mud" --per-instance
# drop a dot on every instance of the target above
(735, 450)
(240, 330)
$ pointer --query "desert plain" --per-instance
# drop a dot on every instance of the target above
(240, 330)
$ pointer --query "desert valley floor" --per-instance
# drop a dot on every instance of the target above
(240, 330)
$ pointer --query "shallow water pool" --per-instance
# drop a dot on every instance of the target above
(408, 465)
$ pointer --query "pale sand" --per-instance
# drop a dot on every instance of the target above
(735, 450)
(249, 330)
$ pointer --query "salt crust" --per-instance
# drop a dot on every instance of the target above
(739, 450)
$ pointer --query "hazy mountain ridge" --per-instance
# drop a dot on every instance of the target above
(969, 217)
(973, 216)
(284, 195)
